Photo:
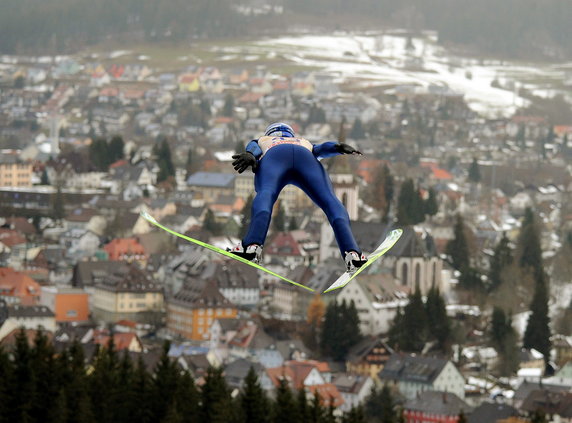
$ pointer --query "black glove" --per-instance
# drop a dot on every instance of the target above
(243, 161)
(346, 149)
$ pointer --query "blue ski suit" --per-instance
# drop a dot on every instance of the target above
(282, 161)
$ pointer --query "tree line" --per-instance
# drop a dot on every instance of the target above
(38, 384)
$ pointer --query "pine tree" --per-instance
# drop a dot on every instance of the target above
(474, 172)
(302, 404)
(210, 223)
(355, 415)
(164, 384)
(340, 330)
(6, 376)
(410, 207)
(99, 154)
(457, 249)
(414, 324)
(284, 410)
(431, 206)
(537, 333)
(253, 401)
(380, 406)
(316, 410)
(104, 389)
(228, 108)
(502, 258)
(503, 339)
(162, 152)
(438, 323)
(216, 402)
(116, 146)
(395, 329)
(143, 389)
(530, 251)
(44, 369)
(24, 387)
(187, 398)
(357, 132)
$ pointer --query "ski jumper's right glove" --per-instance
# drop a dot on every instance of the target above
(346, 149)
(243, 161)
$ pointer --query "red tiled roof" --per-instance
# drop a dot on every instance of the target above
(17, 284)
(441, 174)
(250, 98)
(10, 237)
(121, 341)
(120, 247)
(329, 394)
(283, 243)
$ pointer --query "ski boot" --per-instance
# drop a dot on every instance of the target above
(252, 252)
(354, 261)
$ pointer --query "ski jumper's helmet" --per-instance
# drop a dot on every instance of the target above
(279, 129)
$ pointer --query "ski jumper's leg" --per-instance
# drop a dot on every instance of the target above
(312, 178)
(270, 178)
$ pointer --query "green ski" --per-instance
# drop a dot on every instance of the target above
(387, 243)
(152, 220)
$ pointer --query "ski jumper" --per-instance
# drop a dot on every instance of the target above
(283, 161)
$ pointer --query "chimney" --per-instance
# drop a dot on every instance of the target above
(444, 397)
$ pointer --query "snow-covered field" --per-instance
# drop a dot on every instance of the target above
(387, 59)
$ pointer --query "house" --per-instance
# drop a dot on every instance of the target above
(127, 293)
(489, 412)
(251, 341)
(354, 389)
(308, 375)
(191, 311)
(414, 374)
(18, 288)
(238, 283)
(368, 357)
(290, 300)
(285, 249)
(377, 298)
(238, 76)
(526, 388)
(189, 83)
(126, 249)
(80, 217)
(556, 405)
(13, 317)
(68, 304)
(210, 185)
(236, 371)
(80, 240)
(15, 173)
(434, 406)
(121, 341)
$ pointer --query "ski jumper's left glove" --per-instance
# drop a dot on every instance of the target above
(243, 161)
(346, 149)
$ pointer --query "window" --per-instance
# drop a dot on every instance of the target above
(71, 313)
(418, 274)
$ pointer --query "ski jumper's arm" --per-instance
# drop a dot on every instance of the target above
(253, 148)
(331, 149)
